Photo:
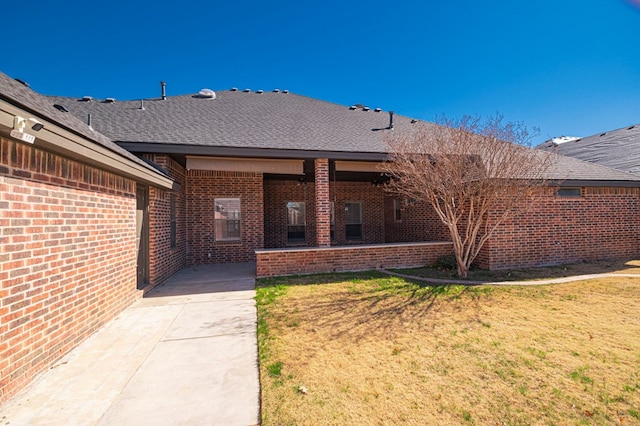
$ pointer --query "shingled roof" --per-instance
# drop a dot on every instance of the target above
(19, 94)
(238, 119)
(618, 149)
(270, 124)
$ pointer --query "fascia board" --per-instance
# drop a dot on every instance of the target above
(56, 139)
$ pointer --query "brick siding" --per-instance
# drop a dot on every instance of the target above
(165, 260)
(277, 262)
(418, 222)
(602, 224)
(278, 192)
(202, 187)
(67, 257)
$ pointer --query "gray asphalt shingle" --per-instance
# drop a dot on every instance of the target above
(42, 106)
(270, 120)
(242, 120)
(618, 149)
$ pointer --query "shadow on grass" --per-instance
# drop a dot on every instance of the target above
(367, 304)
(531, 273)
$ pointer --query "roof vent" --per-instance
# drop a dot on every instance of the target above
(86, 98)
(207, 94)
(260, 91)
(110, 101)
(24, 83)
(378, 110)
(141, 105)
(414, 121)
(163, 90)
(285, 91)
(632, 127)
(233, 89)
(365, 108)
(60, 107)
(352, 107)
(602, 134)
(276, 90)
(247, 90)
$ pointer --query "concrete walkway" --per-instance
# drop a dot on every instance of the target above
(186, 354)
(548, 281)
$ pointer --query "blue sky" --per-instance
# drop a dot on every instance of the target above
(569, 67)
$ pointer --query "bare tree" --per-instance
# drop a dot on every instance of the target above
(475, 173)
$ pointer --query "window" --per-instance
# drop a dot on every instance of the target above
(332, 227)
(295, 221)
(227, 219)
(172, 220)
(353, 220)
(397, 209)
(568, 192)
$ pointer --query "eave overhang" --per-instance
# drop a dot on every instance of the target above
(225, 151)
(59, 140)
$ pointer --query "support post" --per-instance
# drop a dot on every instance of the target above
(323, 203)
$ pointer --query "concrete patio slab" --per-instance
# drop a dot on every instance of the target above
(185, 354)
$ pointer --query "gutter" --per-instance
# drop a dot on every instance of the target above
(56, 139)
(226, 151)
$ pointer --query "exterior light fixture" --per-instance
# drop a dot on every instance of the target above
(19, 126)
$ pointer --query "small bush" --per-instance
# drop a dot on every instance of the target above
(447, 262)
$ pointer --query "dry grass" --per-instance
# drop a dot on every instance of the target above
(525, 274)
(373, 349)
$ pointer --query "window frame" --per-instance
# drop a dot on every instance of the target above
(353, 225)
(332, 221)
(301, 227)
(173, 231)
(397, 209)
(237, 221)
(568, 192)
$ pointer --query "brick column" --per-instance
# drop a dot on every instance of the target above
(323, 203)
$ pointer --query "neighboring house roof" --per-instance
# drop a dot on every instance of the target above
(19, 98)
(269, 124)
(618, 149)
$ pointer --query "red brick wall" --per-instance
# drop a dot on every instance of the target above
(277, 193)
(67, 257)
(202, 187)
(165, 260)
(602, 224)
(277, 262)
(418, 222)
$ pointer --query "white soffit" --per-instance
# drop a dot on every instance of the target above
(256, 165)
(357, 166)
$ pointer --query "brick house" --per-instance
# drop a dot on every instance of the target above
(73, 232)
(275, 178)
(301, 177)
